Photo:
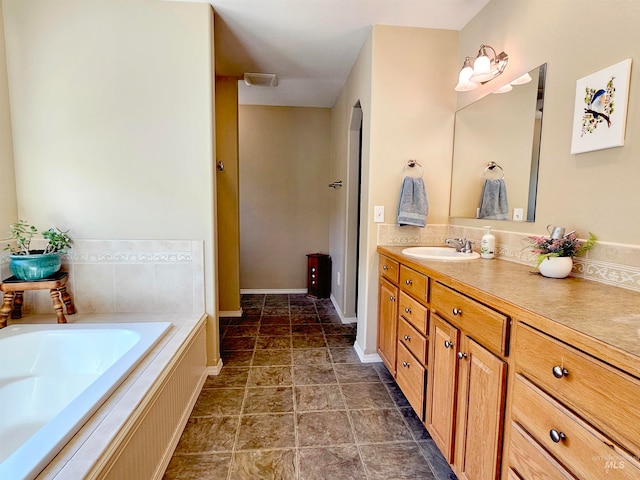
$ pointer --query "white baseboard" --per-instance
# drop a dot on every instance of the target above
(366, 357)
(343, 319)
(215, 369)
(272, 291)
(230, 313)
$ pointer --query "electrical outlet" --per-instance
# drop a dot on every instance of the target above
(378, 214)
(518, 214)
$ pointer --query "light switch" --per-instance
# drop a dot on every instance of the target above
(378, 214)
(518, 214)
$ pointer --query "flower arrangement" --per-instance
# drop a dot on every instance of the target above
(567, 246)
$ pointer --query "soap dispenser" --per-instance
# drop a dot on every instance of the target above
(488, 245)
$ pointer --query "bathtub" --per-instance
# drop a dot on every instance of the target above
(54, 377)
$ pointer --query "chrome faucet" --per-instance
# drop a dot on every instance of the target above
(460, 244)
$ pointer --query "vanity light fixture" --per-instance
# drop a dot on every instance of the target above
(464, 84)
(487, 65)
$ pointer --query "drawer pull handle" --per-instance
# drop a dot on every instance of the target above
(405, 364)
(457, 311)
(448, 344)
(560, 372)
(385, 267)
(462, 355)
(407, 310)
(408, 282)
(392, 298)
(407, 338)
(557, 436)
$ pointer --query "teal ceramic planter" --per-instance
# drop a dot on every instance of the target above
(36, 266)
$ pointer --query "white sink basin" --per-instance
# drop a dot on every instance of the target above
(439, 253)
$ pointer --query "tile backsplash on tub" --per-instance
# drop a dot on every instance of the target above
(129, 276)
(611, 263)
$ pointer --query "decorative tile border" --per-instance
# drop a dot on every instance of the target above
(611, 263)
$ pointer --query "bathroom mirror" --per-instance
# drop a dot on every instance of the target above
(503, 128)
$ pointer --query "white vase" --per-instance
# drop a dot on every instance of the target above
(556, 267)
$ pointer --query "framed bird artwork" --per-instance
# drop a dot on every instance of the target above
(600, 114)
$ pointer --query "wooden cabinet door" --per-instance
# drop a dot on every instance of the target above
(387, 323)
(480, 415)
(441, 384)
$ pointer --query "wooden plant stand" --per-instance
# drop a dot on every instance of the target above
(13, 289)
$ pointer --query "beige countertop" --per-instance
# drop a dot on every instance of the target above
(600, 319)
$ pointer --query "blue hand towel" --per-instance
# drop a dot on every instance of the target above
(414, 206)
(494, 204)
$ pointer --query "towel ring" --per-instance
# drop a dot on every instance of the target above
(491, 169)
(412, 164)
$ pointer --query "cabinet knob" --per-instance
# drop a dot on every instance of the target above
(385, 267)
(392, 298)
(560, 372)
(408, 282)
(407, 338)
(313, 269)
(405, 364)
(448, 344)
(457, 311)
(462, 355)
(557, 436)
(407, 310)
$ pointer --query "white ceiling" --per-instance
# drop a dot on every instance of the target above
(312, 44)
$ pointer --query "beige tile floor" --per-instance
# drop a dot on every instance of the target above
(294, 402)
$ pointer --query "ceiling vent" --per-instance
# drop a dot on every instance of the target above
(261, 79)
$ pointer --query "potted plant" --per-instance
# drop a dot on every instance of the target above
(28, 264)
(555, 255)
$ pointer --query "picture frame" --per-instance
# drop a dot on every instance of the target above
(600, 112)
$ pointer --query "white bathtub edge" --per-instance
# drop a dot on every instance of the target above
(90, 451)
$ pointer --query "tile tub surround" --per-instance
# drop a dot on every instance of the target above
(294, 402)
(610, 263)
(128, 276)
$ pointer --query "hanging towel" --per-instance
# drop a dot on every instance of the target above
(414, 206)
(494, 204)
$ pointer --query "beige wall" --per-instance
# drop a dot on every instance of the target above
(8, 204)
(408, 109)
(284, 198)
(112, 110)
(228, 196)
(595, 191)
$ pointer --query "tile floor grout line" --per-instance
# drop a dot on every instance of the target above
(351, 425)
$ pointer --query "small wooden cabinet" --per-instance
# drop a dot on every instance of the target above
(319, 275)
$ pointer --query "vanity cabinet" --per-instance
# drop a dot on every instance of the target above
(389, 274)
(572, 407)
(403, 325)
(510, 387)
(466, 386)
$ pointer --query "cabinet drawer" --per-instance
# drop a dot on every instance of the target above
(414, 283)
(530, 460)
(410, 378)
(388, 268)
(413, 340)
(484, 325)
(415, 313)
(582, 449)
(594, 390)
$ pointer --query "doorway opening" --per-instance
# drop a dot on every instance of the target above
(352, 230)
